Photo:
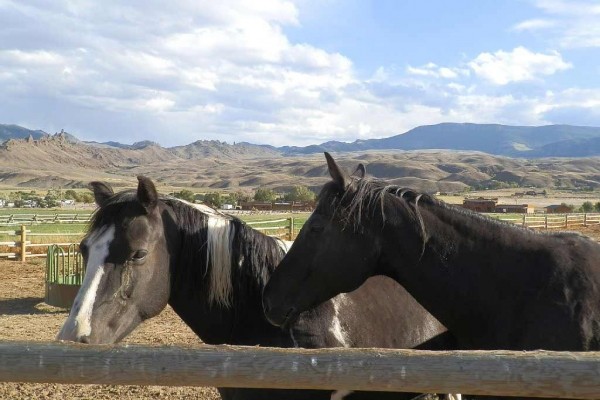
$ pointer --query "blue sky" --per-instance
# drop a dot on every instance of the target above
(295, 72)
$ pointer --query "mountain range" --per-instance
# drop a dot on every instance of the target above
(503, 140)
(445, 157)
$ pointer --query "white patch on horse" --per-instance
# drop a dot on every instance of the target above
(340, 394)
(204, 209)
(79, 322)
(336, 328)
(219, 241)
(284, 244)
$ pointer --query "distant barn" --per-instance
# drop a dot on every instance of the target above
(480, 204)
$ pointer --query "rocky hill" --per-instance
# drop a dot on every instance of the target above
(57, 160)
(65, 161)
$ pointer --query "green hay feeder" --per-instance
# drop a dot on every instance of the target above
(64, 273)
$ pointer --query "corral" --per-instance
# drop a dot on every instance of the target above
(24, 316)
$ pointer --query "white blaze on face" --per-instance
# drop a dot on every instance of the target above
(79, 322)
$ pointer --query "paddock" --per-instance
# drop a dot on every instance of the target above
(25, 317)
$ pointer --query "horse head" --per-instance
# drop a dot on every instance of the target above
(127, 266)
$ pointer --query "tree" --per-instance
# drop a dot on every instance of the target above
(86, 198)
(186, 195)
(587, 207)
(264, 194)
(213, 199)
(597, 207)
(300, 193)
(571, 206)
(71, 194)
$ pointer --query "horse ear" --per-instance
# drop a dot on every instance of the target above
(102, 192)
(146, 193)
(339, 175)
(360, 171)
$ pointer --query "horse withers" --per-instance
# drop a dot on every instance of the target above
(143, 251)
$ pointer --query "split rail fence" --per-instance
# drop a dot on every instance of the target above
(23, 243)
(501, 373)
(551, 221)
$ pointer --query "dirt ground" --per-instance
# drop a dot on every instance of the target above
(25, 316)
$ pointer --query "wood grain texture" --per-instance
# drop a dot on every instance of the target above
(533, 374)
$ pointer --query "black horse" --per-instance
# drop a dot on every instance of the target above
(493, 284)
(144, 251)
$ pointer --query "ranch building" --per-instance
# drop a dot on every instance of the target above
(515, 208)
(481, 204)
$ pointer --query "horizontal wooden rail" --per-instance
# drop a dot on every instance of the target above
(502, 373)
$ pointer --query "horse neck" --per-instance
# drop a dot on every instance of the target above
(467, 261)
(241, 320)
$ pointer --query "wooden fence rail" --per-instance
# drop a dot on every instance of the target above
(21, 244)
(34, 218)
(552, 221)
(501, 373)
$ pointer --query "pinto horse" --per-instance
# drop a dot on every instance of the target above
(143, 251)
(493, 284)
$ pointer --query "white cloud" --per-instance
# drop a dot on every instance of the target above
(534, 25)
(570, 23)
(435, 71)
(226, 70)
(521, 64)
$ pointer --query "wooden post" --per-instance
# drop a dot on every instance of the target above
(292, 228)
(585, 219)
(501, 373)
(524, 220)
(566, 220)
(546, 221)
(23, 243)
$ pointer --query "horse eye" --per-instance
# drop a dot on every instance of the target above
(139, 256)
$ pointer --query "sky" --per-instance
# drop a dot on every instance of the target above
(294, 72)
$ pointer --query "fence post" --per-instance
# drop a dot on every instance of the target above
(585, 219)
(566, 220)
(524, 220)
(23, 243)
(546, 222)
(291, 228)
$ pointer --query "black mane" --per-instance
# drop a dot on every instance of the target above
(259, 253)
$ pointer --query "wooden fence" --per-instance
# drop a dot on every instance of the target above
(34, 218)
(501, 373)
(22, 247)
(552, 221)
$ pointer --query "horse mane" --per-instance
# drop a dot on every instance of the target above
(233, 257)
(219, 254)
(365, 198)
